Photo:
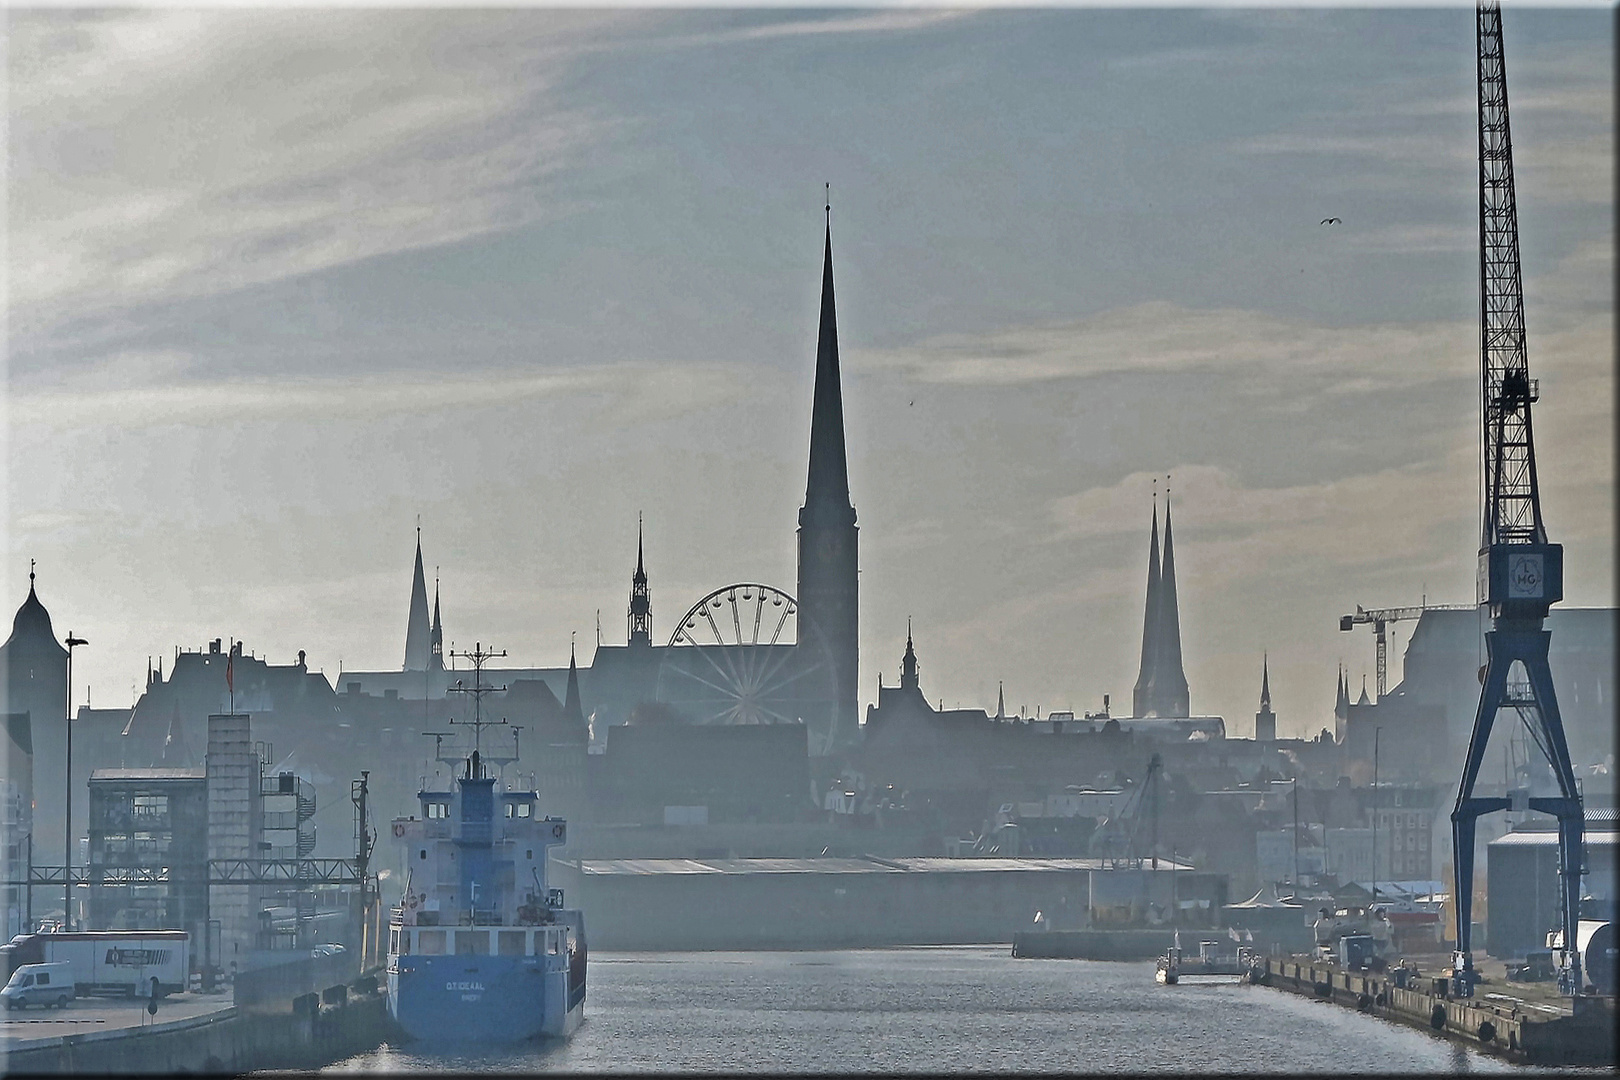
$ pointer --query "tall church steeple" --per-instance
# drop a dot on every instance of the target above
(1168, 686)
(418, 630)
(1141, 703)
(436, 644)
(828, 555)
(640, 598)
(908, 663)
(1265, 721)
(573, 709)
(826, 497)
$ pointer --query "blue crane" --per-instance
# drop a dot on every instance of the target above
(1521, 575)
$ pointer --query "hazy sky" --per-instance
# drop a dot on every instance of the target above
(280, 282)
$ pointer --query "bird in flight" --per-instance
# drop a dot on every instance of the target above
(1332, 221)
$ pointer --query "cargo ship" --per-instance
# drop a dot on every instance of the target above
(479, 949)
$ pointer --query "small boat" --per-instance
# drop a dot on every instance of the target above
(1168, 969)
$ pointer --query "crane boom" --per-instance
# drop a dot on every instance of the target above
(1520, 573)
(1381, 618)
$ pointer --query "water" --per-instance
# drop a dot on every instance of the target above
(952, 1009)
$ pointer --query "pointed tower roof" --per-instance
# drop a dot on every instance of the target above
(640, 598)
(32, 623)
(573, 709)
(826, 496)
(1341, 703)
(1140, 702)
(1001, 702)
(1265, 681)
(1364, 700)
(908, 663)
(1168, 686)
(436, 639)
(418, 630)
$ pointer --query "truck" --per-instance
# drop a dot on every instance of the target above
(39, 984)
(124, 962)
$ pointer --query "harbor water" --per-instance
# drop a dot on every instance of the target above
(945, 1009)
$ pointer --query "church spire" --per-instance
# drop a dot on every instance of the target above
(1265, 721)
(573, 710)
(826, 494)
(828, 541)
(418, 630)
(436, 641)
(1001, 702)
(1341, 704)
(1364, 699)
(1168, 686)
(1141, 702)
(640, 598)
(908, 663)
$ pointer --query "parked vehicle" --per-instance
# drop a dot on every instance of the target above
(110, 961)
(39, 984)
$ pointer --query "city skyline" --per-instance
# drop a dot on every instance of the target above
(543, 274)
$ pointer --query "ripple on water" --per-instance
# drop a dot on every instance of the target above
(968, 1009)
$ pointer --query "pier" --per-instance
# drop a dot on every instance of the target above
(1531, 1028)
(289, 1016)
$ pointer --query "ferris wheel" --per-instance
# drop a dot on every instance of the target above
(736, 658)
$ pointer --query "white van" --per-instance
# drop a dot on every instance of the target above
(39, 984)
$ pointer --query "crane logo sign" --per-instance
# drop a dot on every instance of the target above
(1524, 577)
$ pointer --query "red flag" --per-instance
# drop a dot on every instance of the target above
(230, 680)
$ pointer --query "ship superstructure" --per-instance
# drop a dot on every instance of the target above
(480, 948)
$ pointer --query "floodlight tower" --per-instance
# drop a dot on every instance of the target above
(1521, 575)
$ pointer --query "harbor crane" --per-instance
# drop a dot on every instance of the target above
(1381, 618)
(1520, 574)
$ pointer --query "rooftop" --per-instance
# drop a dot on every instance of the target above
(149, 774)
(859, 865)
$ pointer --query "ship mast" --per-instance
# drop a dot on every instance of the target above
(479, 656)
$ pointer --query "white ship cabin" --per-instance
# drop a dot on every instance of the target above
(474, 867)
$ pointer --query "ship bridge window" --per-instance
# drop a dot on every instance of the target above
(519, 809)
(437, 810)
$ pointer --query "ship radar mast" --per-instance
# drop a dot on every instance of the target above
(476, 760)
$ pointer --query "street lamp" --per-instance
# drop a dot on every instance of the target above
(1376, 730)
(67, 852)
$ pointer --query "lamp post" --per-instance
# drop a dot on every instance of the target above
(67, 851)
(1376, 730)
(1295, 785)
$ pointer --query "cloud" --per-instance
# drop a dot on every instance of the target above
(1239, 531)
(134, 392)
(1164, 336)
(168, 152)
(881, 22)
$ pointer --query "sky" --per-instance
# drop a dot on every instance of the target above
(282, 283)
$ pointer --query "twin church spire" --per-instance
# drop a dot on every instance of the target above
(1161, 685)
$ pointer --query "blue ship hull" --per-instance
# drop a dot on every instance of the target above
(488, 999)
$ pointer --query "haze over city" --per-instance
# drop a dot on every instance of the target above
(808, 541)
(284, 283)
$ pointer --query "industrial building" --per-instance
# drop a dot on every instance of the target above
(1522, 899)
(867, 901)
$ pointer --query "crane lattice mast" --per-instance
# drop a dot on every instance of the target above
(1520, 573)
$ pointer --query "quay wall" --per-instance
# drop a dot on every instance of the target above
(312, 1030)
(1585, 1038)
(1141, 944)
